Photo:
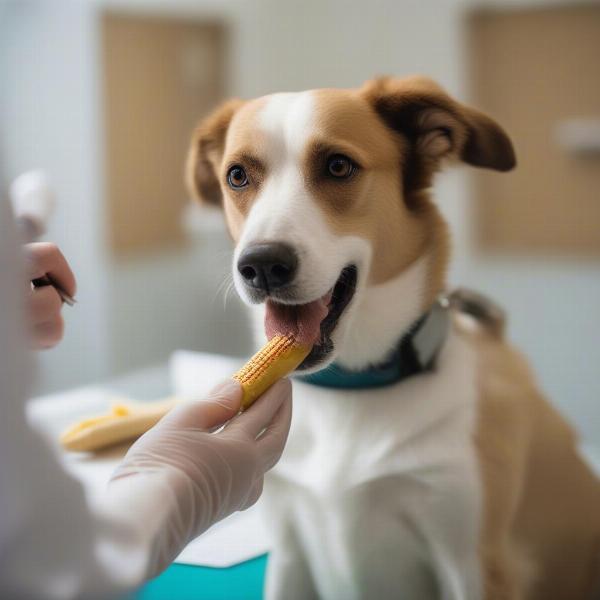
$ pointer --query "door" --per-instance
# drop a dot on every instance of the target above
(160, 76)
(537, 71)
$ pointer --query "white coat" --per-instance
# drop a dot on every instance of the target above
(52, 545)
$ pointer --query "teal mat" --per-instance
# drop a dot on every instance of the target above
(185, 582)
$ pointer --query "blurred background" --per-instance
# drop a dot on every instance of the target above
(103, 96)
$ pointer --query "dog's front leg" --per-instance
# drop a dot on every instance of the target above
(288, 575)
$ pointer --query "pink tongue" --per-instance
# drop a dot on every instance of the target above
(303, 321)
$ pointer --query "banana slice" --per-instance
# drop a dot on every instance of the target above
(124, 422)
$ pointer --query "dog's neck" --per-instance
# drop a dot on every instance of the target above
(383, 313)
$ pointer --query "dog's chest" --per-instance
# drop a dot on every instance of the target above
(344, 438)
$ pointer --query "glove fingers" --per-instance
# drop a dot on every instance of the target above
(220, 405)
(271, 443)
(261, 413)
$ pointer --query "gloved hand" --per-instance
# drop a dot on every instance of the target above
(182, 476)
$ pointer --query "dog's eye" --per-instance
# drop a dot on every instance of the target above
(340, 166)
(236, 177)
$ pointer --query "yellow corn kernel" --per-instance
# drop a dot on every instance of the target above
(277, 359)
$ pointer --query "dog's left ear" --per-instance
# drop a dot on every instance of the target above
(437, 126)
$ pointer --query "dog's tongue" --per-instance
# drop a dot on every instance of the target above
(303, 321)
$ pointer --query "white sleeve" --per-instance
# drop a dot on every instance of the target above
(51, 544)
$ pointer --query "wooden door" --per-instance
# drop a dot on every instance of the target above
(160, 76)
(536, 71)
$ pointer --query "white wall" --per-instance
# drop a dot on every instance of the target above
(303, 44)
(176, 300)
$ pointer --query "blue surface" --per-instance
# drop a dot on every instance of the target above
(185, 582)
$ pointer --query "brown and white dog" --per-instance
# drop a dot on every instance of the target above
(459, 482)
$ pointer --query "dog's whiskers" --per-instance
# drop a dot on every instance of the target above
(230, 287)
(224, 288)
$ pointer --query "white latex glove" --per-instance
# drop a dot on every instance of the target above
(181, 477)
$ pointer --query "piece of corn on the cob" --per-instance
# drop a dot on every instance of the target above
(281, 355)
(275, 360)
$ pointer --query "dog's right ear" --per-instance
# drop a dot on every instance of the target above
(206, 151)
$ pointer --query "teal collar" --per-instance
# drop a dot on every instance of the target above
(415, 353)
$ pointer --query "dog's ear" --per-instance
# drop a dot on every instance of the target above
(437, 127)
(205, 152)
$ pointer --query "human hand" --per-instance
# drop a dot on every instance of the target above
(183, 476)
(45, 304)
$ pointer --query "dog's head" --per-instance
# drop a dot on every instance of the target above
(325, 193)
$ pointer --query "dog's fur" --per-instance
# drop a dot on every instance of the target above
(459, 483)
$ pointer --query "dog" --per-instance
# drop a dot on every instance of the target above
(423, 461)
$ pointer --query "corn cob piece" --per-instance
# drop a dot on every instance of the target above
(277, 359)
(123, 423)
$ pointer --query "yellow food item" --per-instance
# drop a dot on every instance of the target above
(278, 358)
(127, 421)
(124, 422)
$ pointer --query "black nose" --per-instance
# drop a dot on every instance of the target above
(268, 266)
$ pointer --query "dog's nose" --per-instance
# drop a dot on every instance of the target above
(268, 266)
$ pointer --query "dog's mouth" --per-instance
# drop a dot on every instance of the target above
(313, 324)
